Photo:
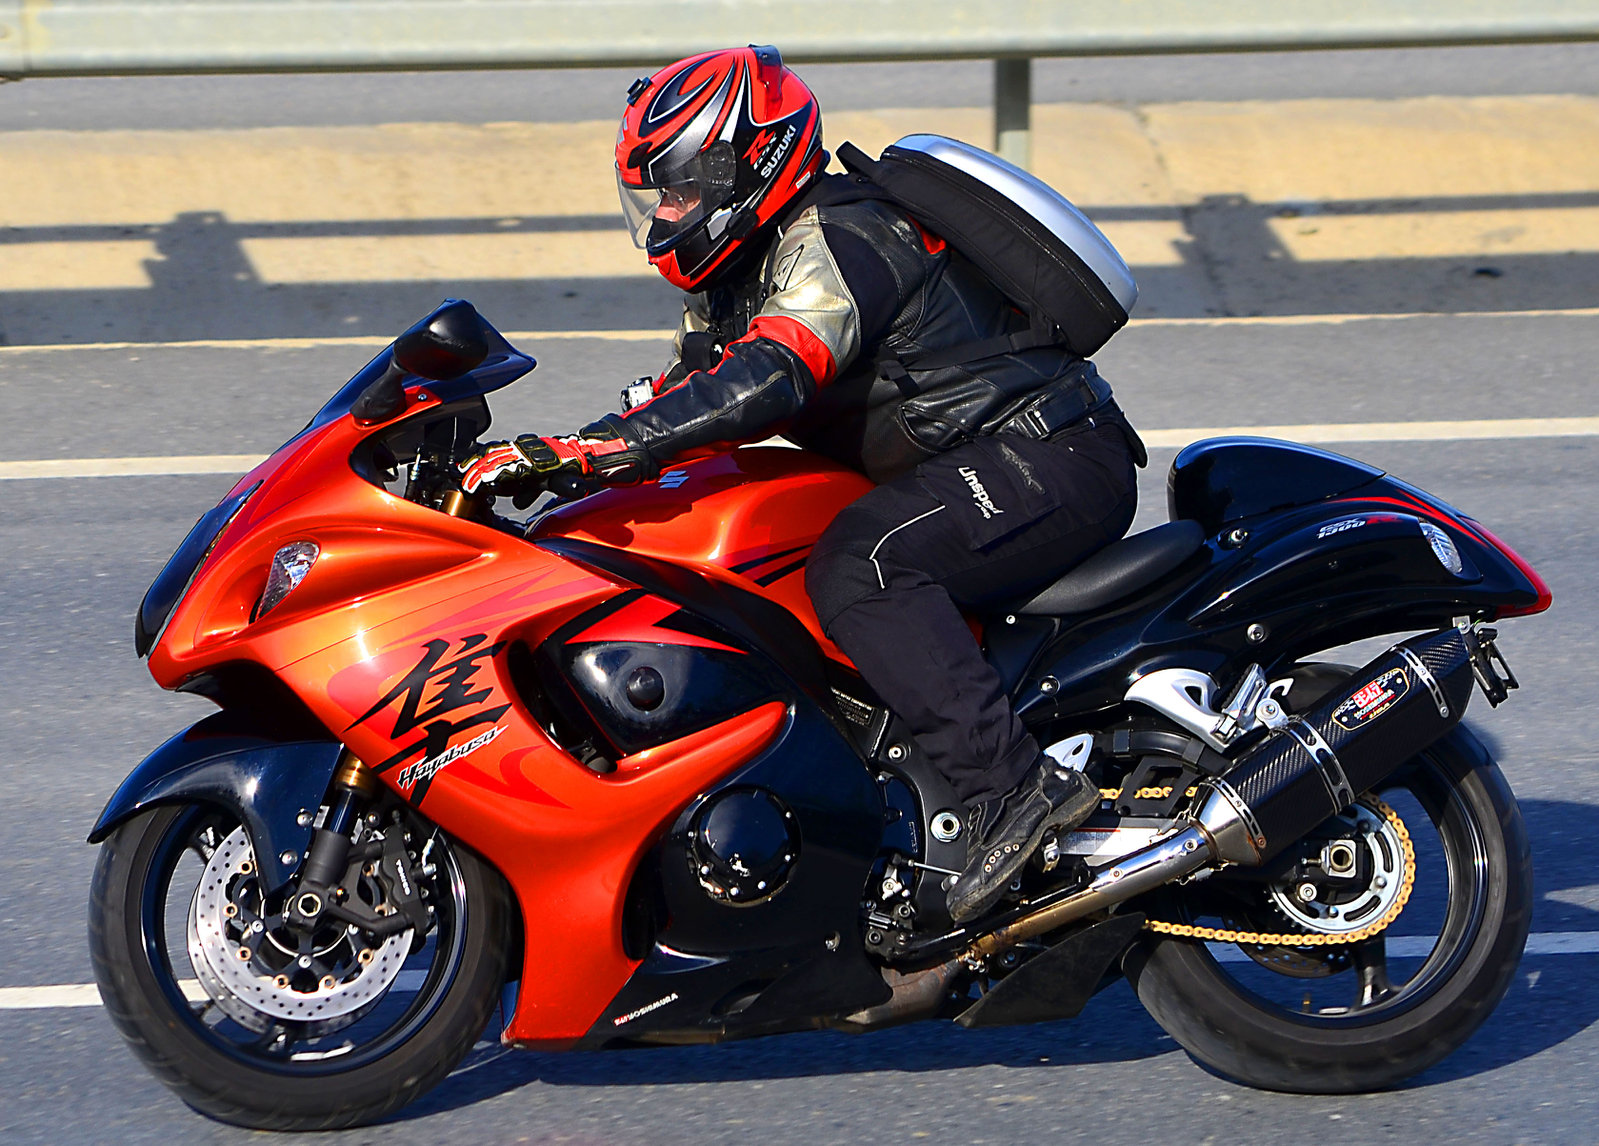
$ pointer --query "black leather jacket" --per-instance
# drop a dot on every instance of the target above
(834, 338)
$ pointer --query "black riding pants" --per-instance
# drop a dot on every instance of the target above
(981, 524)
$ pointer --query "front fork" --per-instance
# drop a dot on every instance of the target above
(321, 892)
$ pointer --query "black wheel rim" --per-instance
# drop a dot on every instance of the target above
(1406, 965)
(410, 1003)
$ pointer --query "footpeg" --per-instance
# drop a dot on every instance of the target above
(1049, 853)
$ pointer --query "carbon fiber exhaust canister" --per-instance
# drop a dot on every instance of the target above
(1310, 767)
(1315, 764)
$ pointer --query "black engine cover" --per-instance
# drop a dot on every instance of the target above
(743, 844)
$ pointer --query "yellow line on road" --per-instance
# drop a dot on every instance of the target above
(112, 264)
(1315, 433)
(1097, 154)
(378, 341)
(446, 258)
(1439, 234)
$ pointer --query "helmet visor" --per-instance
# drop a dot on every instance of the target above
(660, 215)
(654, 214)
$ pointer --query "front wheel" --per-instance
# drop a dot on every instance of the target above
(255, 1022)
(1342, 1018)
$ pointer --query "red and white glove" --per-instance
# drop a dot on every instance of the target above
(600, 451)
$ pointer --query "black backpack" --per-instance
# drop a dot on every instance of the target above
(1038, 249)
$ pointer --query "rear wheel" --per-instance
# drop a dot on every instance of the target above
(258, 1023)
(1347, 1017)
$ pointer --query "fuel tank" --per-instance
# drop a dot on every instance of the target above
(751, 515)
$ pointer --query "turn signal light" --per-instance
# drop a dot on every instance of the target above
(289, 567)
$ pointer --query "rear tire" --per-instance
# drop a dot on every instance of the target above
(142, 980)
(1244, 1036)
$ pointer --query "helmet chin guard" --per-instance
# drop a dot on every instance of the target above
(710, 149)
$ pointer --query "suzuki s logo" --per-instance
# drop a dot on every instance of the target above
(671, 479)
(758, 145)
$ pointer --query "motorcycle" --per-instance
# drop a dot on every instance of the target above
(601, 771)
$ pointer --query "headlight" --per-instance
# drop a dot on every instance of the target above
(289, 567)
(1443, 548)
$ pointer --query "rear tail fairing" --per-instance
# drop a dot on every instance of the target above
(1349, 553)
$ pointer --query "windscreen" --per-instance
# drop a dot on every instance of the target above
(504, 365)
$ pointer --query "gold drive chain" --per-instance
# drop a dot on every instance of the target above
(1297, 938)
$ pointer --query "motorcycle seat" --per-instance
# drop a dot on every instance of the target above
(1119, 570)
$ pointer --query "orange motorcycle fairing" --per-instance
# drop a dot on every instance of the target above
(750, 516)
(434, 648)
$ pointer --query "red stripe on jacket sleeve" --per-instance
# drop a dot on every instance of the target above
(797, 337)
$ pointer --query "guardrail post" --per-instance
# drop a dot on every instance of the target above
(1013, 110)
(13, 52)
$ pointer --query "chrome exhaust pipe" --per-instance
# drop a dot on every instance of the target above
(1134, 874)
(1309, 768)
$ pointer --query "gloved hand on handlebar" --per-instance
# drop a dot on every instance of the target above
(600, 451)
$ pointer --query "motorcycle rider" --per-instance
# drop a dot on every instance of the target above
(819, 314)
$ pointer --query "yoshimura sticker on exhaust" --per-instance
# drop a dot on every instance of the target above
(1373, 699)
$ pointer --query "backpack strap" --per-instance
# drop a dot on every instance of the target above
(896, 367)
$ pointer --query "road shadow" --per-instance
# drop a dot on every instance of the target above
(1551, 999)
(1232, 260)
(1113, 1028)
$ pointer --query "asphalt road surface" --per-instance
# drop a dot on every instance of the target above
(78, 710)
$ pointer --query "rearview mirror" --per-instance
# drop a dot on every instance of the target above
(446, 344)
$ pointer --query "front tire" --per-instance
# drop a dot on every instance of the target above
(275, 1074)
(1233, 1026)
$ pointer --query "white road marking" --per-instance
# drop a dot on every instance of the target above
(1322, 433)
(49, 998)
(1343, 319)
(378, 341)
(62, 995)
(65, 995)
(130, 467)
(1328, 432)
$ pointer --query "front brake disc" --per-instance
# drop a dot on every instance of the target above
(257, 978)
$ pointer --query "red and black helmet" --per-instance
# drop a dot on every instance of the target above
(710, 149)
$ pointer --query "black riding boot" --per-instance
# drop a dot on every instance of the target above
(1003, 833)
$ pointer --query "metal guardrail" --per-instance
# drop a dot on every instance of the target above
(133, 37)
(100, 37)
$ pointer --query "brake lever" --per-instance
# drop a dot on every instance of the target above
(567, 485)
